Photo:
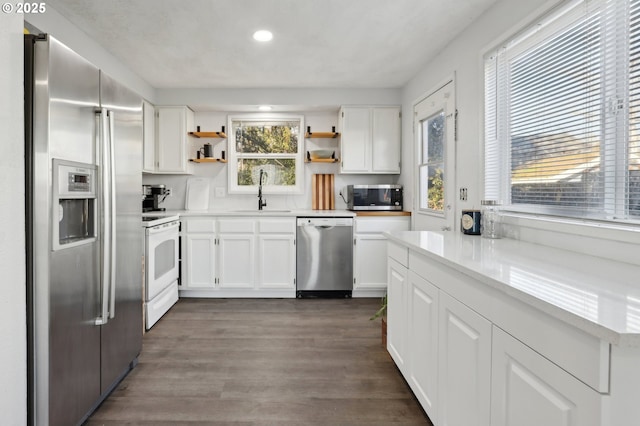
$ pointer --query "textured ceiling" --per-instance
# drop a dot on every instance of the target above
(317, 43)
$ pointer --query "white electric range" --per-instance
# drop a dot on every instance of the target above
(161, 272)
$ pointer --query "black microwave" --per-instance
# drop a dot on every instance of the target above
(374, 197)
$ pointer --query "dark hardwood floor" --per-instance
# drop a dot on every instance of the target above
(264, 362)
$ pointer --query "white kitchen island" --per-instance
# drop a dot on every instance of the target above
(504, 332)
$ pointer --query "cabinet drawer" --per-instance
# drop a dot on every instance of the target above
(200, 225)
(377, 225)
(399, 253)
(277, 226)
(237, 225)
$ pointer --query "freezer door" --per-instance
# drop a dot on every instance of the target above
(63, 284)
(122, 333)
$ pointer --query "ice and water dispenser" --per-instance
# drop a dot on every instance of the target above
(74, 204)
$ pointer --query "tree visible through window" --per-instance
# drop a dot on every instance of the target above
(432, 167)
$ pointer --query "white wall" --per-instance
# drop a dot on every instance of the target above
(13, 353)
(217, 172)
(61, 28)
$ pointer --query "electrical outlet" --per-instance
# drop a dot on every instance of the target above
(463, 194)
(168, 191)
(220, 192)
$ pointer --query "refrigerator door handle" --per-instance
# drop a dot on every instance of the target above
(112, 190)
(105, 223)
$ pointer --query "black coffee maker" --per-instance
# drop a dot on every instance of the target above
(152, 196)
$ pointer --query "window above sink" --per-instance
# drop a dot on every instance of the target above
(271, 142)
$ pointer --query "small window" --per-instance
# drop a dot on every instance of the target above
(432, 165)
(272, 144)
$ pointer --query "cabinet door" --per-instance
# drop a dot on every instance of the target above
(397, 316)
(355, 140)
(464, 358)
(199, 262)
(529, 390)
(276, 261)
(237, 260)
(171, 137)
(385, 140)
(422, 342)
(149, 137)
(370, 261)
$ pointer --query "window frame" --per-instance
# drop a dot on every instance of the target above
(427, 164)
(234, 156)
(497, 131)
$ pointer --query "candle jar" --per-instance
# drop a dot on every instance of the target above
(490, 225)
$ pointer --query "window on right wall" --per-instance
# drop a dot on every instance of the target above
(562, 114)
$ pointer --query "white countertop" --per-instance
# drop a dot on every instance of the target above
(596, 295)
(256, 213)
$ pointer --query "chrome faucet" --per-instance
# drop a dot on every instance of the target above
(261, 203)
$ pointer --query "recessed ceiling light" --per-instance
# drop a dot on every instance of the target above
(262, 35)
(264, 108)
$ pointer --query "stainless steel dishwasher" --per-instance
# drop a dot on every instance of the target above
(324, 251)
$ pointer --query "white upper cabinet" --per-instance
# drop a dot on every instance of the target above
(173, 125)
(385, 140)
(370, 140)
(355, 143)
(149, 138)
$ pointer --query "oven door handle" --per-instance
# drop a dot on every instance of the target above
(163, 228)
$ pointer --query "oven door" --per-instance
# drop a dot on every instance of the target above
(161, 258)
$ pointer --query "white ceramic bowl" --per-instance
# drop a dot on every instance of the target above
(318, 154)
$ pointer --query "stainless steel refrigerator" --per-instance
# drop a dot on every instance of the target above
(83, 180)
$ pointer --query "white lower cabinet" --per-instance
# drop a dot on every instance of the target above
(277, 266)
(422, 342)
(237, 242)
(370, 253)
(236, 260)
(370, 262)
(199, 266)
(238, 257)
(464, 363)
(530, 390)
(397, 318)
(199, 255)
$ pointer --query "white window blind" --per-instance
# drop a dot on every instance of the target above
(562, 114)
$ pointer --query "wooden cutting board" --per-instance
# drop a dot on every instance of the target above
(322, 192)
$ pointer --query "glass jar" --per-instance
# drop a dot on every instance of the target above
(490, 224)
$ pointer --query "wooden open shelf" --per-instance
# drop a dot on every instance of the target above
(208, 160)
(322, 160)
(321, 135)
(208, 134)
